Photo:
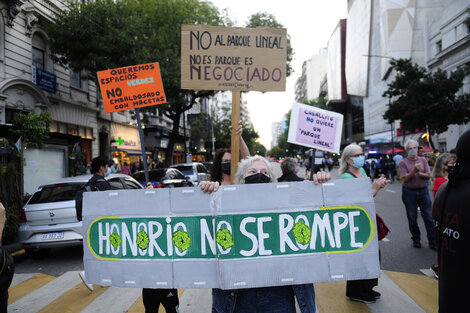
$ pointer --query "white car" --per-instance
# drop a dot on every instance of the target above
(195, 172)
(49, 218)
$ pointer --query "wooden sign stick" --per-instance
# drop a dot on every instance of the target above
(235, 138)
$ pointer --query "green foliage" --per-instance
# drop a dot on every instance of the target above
(265, 19)
(32, 128)
(130, 32)
(222, 120)
(258, 148)
(421, 99)
(200, 128)
(277, 152)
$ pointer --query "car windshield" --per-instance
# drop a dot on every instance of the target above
(56, 193)
(185, 169)
(153, 176)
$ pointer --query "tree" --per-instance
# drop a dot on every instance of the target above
(258, 148)
(32, 128)
(106, 34)
(423, 99)
(268, 20)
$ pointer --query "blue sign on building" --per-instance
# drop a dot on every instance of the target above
(44, 79)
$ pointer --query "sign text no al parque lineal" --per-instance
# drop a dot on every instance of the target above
(343, 229)
(223, 58)
(131, 87)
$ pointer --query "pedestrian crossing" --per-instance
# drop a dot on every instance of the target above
(31, 292)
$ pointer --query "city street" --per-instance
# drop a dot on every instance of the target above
(52, 284)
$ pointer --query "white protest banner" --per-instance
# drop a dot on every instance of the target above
(315, 128)
(224, 58)
(241, 236)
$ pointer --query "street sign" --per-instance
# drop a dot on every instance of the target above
(241, 236)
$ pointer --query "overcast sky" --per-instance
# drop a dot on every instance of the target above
(309, 24)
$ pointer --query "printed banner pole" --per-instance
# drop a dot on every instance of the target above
(235, 138)
(142, 145)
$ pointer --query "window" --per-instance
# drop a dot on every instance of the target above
(115, 183)
(38, 58)
(439, 46)
(56, 193)
(131, 185)
(78, 80)
(39, 52)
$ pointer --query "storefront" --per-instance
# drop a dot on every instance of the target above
(125, 145)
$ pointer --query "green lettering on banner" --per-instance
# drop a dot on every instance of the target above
(343, 229)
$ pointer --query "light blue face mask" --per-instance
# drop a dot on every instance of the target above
(107, 172)
(359, 161)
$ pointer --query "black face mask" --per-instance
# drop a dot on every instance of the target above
(257, 178)
(226, 168)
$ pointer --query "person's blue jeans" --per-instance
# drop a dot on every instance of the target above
(412, 198)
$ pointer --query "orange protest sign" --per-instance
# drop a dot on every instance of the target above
(131, 87)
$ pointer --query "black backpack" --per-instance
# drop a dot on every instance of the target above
(89, 186)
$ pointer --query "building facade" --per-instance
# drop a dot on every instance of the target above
(31, 82)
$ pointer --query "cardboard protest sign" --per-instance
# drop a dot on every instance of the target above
(223, 58)
(181, 238)
(131, 87)
(315, 128)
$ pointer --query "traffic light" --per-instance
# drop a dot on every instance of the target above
(257, 151)
(287, 150)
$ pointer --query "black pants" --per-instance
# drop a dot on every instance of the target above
(3, 301)
(153, 297)
(361, 288)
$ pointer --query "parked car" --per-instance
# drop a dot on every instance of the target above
(49, 218)
(164, 178)
(195, 172)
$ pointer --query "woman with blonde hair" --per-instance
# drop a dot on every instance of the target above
(352, 161)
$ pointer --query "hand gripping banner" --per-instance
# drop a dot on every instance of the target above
(241, 236)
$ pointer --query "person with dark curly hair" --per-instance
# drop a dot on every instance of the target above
(220, 171)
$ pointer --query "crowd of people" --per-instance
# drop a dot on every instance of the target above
(446, 227)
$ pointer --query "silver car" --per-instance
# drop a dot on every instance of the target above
(51, 220)
(195, 172)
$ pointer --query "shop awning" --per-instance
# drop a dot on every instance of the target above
(133, 152)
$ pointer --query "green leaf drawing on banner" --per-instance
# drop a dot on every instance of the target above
(115, 240)
(224, 238)
(302, 232)
(181, 240)
(142, 240)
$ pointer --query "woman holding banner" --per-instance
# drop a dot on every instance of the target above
(254, 170)
(220, 171)
(352, 162)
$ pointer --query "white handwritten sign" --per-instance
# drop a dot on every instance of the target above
(315, 128)
(223, 58)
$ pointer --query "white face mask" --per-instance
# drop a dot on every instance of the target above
(413, 152)
(107, 172)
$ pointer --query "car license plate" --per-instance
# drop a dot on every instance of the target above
(52, 235)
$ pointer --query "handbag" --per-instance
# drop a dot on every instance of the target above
(7, 269)
(382, 229)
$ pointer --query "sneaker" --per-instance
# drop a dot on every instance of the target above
(417, 244)
(82, 276)
(435, 271)
(432, 245)
(375, 294)
(364, 299)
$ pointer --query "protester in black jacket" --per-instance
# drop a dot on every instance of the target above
(451, 207)
(289, 171)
